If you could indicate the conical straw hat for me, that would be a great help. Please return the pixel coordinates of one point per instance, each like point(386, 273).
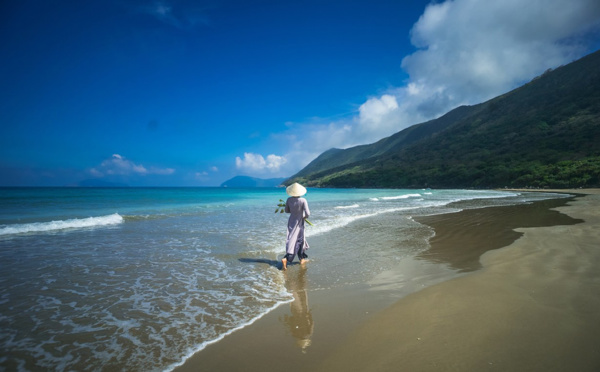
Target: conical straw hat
point(295, 189)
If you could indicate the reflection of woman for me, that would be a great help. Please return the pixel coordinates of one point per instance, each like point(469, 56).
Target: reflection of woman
point(298, 208)
point(300, 322)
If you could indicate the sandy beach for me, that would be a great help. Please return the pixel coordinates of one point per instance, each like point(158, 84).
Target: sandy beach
point(513, 288)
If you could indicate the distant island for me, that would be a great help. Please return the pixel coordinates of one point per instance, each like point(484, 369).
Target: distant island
point(245, 181)
point(545, 134)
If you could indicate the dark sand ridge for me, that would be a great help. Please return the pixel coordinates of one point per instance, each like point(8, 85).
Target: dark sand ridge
point(461, 238)
point(341, 315)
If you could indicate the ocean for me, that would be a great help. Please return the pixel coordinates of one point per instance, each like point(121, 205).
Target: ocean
point(142, 278)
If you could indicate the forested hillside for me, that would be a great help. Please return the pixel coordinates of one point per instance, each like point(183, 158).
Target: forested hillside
point(543, 134)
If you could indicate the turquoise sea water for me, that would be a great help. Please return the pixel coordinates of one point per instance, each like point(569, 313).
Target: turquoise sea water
point(141, 278)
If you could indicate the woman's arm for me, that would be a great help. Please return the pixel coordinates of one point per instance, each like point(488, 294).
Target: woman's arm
point(306, 210)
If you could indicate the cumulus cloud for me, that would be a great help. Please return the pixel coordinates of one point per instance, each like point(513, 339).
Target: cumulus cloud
point(376, 112)
point(472, 50)
point(119, 165)
point(257, 164)
point(467, 51)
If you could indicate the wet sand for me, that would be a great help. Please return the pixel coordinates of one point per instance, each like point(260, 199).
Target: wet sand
point(533, 305)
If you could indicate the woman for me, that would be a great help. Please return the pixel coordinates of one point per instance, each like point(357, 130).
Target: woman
point(298, 208)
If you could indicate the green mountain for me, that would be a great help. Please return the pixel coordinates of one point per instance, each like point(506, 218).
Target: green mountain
point(543, 134)
point(245, 181)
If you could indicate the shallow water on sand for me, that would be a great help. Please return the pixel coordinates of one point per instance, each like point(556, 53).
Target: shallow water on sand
point(140, 279)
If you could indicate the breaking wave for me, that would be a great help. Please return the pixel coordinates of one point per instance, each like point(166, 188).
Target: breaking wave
point(347, 206)
point(74, 223)
point(405, 196)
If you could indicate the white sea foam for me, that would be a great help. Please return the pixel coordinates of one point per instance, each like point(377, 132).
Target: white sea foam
point(347, 206)
point(373, 199)
point(111, 219)
point(338, 222)
point(405, 196)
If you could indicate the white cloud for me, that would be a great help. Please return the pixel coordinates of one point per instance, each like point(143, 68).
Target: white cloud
point(468, 51)
point(257, 164)
point(375, 111)
point(95, 173)
point(119, 165)
point(201, 175)
point(472, 50)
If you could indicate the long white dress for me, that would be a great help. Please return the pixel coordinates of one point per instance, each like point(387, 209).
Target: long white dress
point(296, 241)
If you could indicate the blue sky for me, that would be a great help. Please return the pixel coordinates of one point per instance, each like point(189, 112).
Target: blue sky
point(192, 93)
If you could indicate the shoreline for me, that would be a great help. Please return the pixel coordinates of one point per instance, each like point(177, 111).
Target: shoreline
point(533, 307)
point(477, 231)
point(337, 316)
